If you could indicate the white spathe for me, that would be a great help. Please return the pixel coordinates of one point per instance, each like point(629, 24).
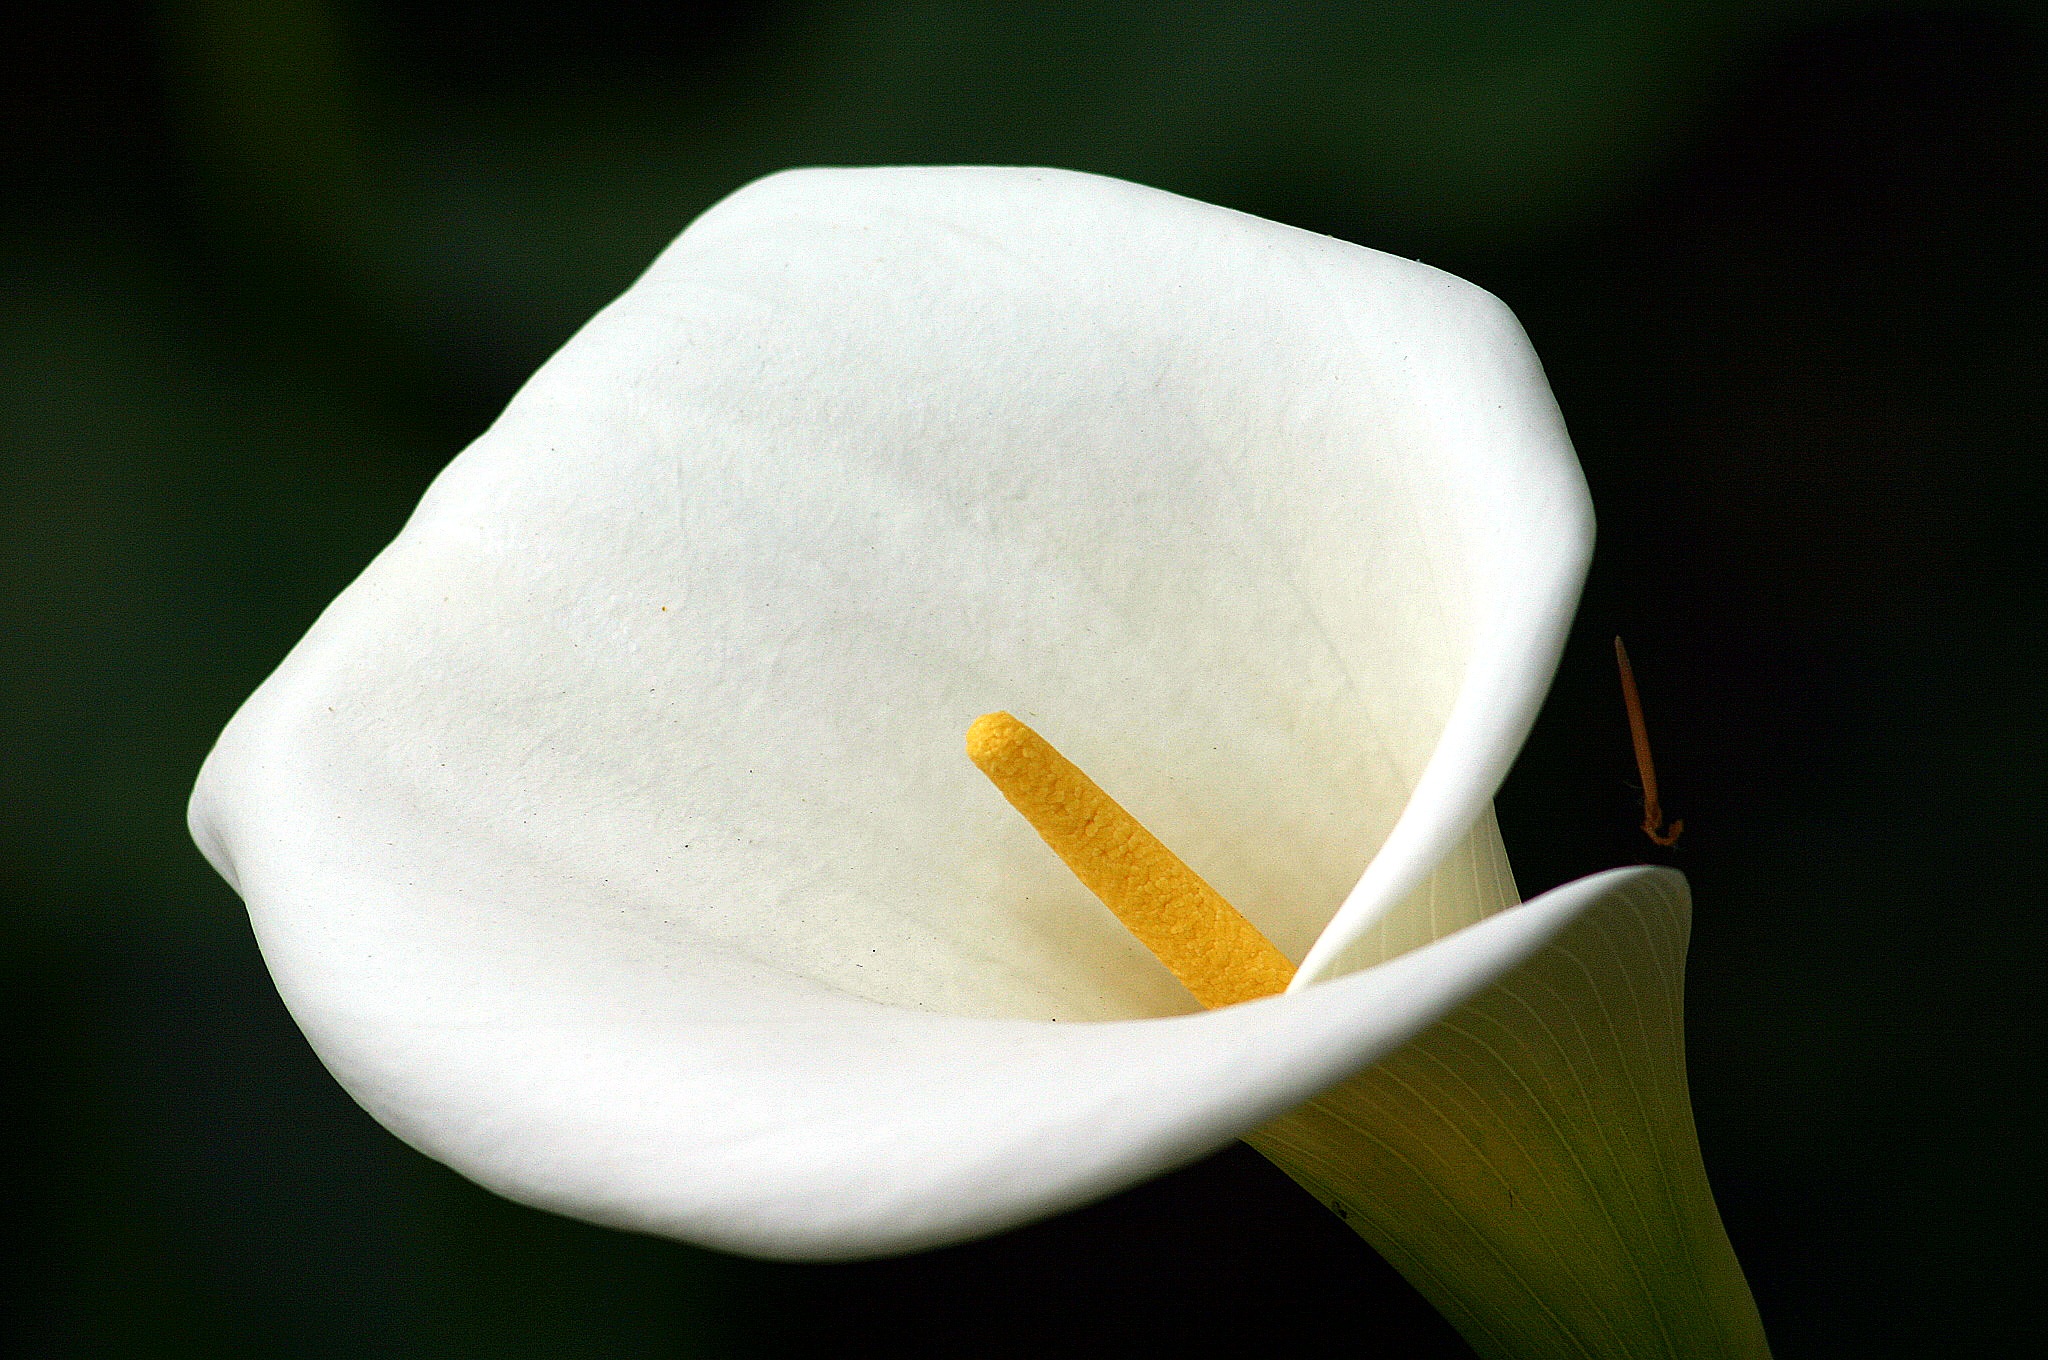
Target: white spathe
point(612, 838)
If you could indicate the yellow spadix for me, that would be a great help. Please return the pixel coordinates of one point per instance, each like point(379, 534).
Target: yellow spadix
point(1217, 954)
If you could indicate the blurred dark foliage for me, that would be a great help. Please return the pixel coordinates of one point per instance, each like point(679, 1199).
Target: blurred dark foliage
point(490, 49)
point(269, 265)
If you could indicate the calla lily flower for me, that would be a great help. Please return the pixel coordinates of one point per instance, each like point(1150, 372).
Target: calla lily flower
point(612, 841)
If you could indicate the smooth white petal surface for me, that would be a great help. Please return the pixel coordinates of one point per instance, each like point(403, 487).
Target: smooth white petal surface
point(612, 838)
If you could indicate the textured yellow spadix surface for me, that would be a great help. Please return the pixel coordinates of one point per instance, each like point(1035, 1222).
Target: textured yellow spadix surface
point(1217, 954)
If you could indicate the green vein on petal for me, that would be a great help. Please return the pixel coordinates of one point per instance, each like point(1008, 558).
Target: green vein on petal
point(1530, 1163)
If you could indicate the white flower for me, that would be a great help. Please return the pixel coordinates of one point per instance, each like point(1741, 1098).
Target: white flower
point(612, 840)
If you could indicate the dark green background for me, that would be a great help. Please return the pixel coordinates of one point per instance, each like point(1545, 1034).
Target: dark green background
point(269, 264)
